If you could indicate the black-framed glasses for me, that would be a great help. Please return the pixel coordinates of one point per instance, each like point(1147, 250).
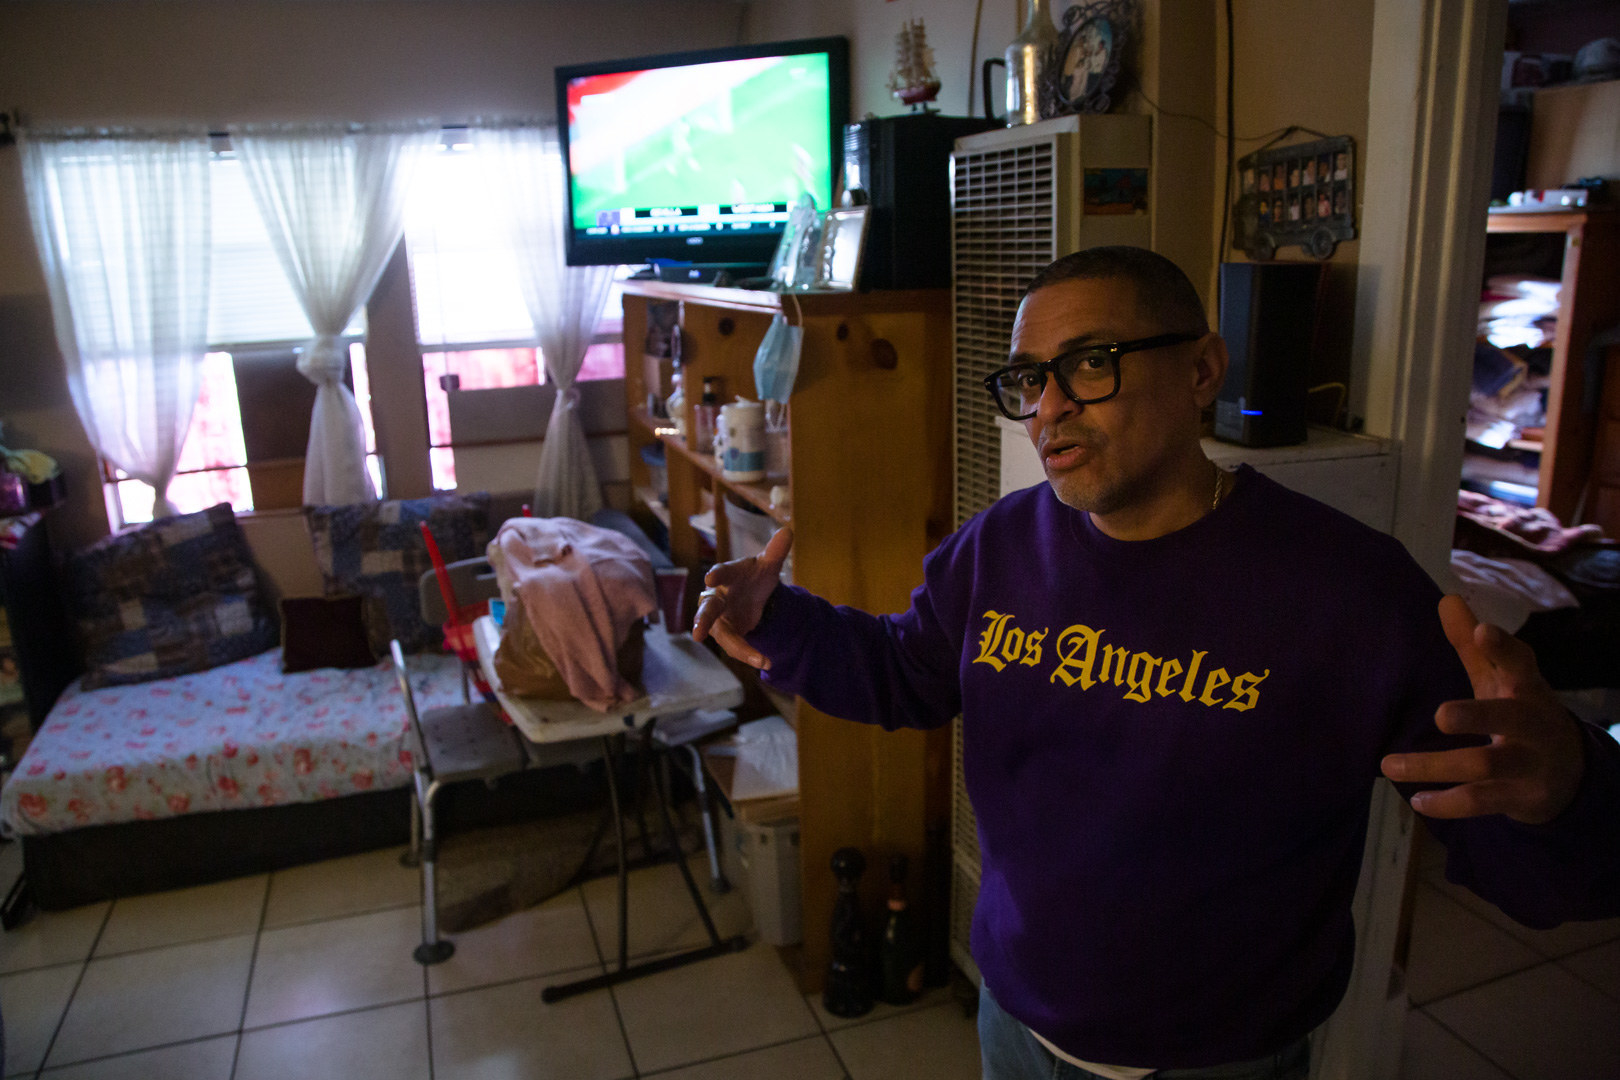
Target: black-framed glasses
point(1086, 375)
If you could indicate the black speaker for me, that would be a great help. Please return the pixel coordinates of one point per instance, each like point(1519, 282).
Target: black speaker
point(1268, 318)
point(899, 166)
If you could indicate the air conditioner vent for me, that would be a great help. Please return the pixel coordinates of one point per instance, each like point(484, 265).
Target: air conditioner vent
point(1015, 206)
point(1003, 230)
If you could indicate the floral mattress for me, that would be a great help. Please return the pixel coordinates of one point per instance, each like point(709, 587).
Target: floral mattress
point(239, 735)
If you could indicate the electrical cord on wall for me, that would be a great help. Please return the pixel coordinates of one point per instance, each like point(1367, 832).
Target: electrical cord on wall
point(1160, 110)
point(973, 59)
point(1231, 148)
point(1339, 405)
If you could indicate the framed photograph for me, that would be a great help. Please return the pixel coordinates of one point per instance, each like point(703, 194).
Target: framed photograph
point(843, 237)
point(1081, 68)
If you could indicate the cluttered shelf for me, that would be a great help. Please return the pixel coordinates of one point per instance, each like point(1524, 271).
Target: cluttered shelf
point(756, 495)
point(1552, 284)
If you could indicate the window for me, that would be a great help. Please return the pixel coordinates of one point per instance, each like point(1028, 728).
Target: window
point(255, 326)
point(472, 326)
point(212, 461)
point(471, 322)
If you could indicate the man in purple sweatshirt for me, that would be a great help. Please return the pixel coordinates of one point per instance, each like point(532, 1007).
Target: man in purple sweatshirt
point(1177, 686)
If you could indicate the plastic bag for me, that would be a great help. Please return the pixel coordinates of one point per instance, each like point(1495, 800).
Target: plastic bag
point(767, 760)
point(525, 669)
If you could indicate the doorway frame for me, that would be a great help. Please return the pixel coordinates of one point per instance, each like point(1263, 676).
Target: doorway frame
point(1431, 120)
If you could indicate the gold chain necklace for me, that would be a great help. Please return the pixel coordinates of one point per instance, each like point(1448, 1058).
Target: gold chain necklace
point(1220, 475)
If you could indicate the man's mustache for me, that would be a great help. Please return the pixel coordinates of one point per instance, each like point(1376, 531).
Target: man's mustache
point(1074, 435)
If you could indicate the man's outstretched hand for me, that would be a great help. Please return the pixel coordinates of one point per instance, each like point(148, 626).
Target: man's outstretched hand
point(1532, 766)
point(734, 599)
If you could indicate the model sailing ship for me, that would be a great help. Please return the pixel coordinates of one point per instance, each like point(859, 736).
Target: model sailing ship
point(913, 79)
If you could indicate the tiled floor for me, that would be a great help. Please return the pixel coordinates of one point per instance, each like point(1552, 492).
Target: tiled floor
point(308, 973)
point(1493, 1000)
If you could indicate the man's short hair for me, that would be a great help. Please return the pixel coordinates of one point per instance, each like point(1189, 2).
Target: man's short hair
point(1162, 290)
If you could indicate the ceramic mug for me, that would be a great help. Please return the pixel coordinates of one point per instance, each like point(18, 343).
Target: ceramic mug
point(741, 441)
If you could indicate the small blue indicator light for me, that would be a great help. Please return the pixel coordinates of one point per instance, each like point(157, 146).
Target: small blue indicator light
point(1252, 412)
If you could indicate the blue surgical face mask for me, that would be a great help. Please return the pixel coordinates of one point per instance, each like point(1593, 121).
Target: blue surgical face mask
point(776, 364)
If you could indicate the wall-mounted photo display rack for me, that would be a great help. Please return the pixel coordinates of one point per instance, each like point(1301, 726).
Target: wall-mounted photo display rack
point(1301, 193)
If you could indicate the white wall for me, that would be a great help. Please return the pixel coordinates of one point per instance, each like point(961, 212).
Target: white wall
point(871, 28)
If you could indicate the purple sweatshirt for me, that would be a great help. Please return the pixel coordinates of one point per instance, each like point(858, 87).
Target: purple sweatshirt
point(1170, 746)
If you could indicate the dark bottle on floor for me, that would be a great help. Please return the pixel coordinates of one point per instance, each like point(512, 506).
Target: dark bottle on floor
point(900, 955)
point(848, 991)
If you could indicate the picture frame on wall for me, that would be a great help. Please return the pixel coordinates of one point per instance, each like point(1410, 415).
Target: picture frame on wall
point(1085, 64)
point(1311, 200)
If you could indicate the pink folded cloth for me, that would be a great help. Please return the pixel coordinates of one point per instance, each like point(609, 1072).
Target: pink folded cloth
point(1534, 528)
point(582, 588)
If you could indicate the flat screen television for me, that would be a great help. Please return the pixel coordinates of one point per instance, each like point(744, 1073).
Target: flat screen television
point(698, 156)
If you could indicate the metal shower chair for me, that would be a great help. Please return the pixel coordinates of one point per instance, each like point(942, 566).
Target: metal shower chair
point(475, 741)
point(471, 741)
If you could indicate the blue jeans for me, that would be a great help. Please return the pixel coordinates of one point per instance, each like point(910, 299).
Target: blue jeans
point(1009, 1051)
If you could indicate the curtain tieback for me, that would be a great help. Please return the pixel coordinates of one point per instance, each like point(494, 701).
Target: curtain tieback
point(324, 359)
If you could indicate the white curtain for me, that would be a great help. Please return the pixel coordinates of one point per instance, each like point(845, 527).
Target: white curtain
point(332, 199)
point(121, 222)
point(525, 171)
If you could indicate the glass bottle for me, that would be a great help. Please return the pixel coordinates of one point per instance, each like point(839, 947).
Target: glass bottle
point(706, 415)
point(847, 989)
point(900, 951)
point(1026, 64)
point(676, 406)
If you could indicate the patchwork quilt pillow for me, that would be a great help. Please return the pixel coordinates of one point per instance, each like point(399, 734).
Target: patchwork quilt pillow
point(376, 550)
point(176, 596)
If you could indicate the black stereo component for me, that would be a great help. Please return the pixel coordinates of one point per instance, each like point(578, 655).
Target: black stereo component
point(899, 166)
point(1268, 318)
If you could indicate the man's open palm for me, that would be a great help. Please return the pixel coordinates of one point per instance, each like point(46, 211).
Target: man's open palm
point(734, 599)
point(1531, 767)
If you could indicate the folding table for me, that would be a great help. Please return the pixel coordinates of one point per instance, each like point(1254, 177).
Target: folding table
point(679, 675)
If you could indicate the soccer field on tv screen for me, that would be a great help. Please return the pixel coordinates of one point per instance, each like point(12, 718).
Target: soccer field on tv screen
point(737, 131)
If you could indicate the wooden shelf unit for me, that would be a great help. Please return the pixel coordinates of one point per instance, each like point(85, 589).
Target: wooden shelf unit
point(1589, 302)
point(871, 495)
point(758, 495)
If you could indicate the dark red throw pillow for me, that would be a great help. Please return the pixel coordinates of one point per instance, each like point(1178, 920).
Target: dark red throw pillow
point(324, 632)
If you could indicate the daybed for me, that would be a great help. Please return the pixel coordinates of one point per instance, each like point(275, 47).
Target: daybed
point(203, 748)
point(234, 767)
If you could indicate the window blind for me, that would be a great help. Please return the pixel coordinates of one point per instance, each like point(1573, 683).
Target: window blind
point(462, 268)
point(250, 299)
